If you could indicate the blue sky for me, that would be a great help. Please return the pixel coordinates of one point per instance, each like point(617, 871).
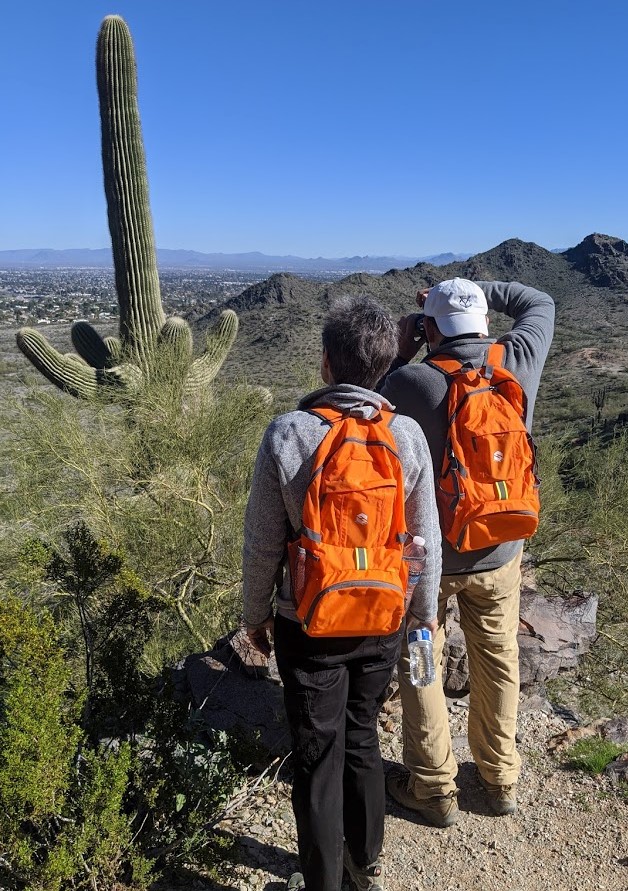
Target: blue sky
point(335, 127)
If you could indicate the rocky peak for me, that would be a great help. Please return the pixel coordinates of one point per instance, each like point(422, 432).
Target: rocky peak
point(603, 258)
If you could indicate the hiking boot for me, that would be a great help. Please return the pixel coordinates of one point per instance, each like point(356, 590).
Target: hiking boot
point(296, 882)
point(364, 878)
point(438, 810)
point(502, 800)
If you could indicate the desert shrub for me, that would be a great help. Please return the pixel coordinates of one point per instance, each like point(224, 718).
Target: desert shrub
point(164, 483)
point(62, 823)
point(105, 776)
point(582, 546)
point(120, 546)
point(592, 755)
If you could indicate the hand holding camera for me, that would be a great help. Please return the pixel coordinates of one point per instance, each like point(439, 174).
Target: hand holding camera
point(411, 335)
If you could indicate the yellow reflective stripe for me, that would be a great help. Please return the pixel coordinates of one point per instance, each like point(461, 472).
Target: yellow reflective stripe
point(361, 559)
point(502, 490)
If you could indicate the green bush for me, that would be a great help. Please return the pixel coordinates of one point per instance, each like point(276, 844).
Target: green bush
point(105, 777)
point(62, 822)
point(592, 755)
point(165, 484)
point(582, 546)
point(120, 552)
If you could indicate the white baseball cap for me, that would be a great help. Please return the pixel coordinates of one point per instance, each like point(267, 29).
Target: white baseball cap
point(458, 306)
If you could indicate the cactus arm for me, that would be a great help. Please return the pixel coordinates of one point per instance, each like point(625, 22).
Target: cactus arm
point(114, 347)
point(126, 190)
point(219, 341)
point(66, 372)
point(177, 336)
point(69, 372)
point(91, 346)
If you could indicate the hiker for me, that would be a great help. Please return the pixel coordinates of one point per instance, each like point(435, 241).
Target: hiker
point(487, 580)
point(335, 675)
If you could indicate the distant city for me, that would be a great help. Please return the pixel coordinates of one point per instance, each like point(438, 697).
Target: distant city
point(37, 288)
point(47, 296)
point(253, 261)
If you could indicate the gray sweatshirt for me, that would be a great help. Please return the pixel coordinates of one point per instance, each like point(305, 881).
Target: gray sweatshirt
point(421, 392)
point(282, 472)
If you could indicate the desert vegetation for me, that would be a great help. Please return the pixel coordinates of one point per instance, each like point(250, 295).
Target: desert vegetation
point(120, 554)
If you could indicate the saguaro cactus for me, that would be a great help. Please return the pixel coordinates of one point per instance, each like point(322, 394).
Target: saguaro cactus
point(126, 362)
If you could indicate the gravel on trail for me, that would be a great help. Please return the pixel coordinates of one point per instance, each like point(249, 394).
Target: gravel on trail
point(570, 832)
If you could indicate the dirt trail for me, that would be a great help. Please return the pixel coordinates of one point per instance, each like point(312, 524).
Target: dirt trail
point(570, 833)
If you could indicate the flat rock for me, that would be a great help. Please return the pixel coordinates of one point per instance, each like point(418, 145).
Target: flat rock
point(238, 690)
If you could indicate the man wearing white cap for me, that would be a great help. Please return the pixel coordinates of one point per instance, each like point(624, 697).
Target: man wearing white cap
point(487, 582)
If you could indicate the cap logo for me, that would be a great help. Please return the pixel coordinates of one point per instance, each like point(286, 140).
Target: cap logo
point(498, 456)
point(362, 519)
point(465, 301)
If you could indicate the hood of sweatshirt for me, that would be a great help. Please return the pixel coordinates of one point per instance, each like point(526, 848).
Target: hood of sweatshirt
point(347, 397)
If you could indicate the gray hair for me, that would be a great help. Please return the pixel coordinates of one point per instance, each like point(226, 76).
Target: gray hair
point(361, 340)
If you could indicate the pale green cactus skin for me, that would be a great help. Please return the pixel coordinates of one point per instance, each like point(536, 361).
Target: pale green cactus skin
point(129, 361)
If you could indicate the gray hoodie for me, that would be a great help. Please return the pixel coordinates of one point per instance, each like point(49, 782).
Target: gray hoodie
point(282, 472)
point(421, 391)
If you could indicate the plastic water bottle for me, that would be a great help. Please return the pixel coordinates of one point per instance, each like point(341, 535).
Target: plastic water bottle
point(422, 671)
point(414, 554)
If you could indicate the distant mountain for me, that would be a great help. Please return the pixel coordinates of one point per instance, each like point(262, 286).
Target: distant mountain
point(281, 317)
point(246, 262)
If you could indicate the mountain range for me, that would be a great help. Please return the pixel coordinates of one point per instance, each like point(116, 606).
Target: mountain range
point(47, 258)
point(281, 318)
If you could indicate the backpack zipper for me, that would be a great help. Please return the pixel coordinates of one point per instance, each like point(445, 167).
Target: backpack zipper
point(502, 513)
point(338, 586)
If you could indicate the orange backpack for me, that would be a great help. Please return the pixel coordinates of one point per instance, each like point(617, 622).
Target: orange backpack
point(347, 570)
point(487, 491)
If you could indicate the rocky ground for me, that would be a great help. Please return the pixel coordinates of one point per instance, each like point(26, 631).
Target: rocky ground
point(571, 830)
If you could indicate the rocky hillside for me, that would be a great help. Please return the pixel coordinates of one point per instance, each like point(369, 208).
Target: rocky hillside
point(280, 318)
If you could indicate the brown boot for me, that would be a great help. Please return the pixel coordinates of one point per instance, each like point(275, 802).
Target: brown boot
point(502, 800)
point(438, 810)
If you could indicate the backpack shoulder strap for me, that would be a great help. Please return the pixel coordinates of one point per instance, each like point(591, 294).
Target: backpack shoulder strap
point(495, 355)
point(448, 366)
point(326, 413)
point(445, 364)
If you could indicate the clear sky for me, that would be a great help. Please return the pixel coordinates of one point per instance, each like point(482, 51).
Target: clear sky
point(326, 127)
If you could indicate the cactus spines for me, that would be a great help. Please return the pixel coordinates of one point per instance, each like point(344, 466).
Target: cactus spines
point(134, 357)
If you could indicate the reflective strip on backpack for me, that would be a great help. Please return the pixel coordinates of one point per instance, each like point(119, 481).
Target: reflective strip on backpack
point(361, 559)
point(502, 490)
point(309, 533)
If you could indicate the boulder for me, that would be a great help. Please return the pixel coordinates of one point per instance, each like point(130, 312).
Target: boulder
point(554, 632)
point(617, 770)
point(237, 690)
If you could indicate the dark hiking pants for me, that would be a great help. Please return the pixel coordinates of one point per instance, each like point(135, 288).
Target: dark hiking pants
point(333, 688)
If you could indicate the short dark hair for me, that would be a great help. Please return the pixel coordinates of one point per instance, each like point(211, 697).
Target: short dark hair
point(361, 340)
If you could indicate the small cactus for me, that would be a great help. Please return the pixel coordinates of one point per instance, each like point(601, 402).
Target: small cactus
point(130, 360)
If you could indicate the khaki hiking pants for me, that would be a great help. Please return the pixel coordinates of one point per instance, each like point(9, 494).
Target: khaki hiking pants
point(489, 617)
